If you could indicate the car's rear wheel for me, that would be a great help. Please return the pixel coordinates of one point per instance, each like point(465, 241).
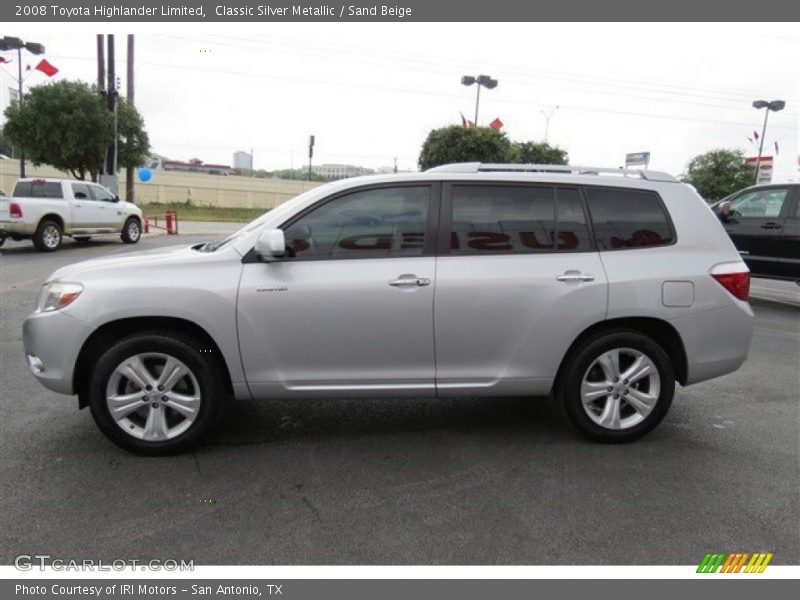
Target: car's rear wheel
point(48, 236)
point(617, 386)
point(156, 394)
point(131, 231)
point(2, 239)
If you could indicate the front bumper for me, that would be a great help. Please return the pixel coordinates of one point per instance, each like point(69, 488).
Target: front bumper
point(52, 341)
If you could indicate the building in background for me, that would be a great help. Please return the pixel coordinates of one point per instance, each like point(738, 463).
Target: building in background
point(336, 171)
point(243, 160)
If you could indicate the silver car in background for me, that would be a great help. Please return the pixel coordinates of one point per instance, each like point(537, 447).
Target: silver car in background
point(600, 285)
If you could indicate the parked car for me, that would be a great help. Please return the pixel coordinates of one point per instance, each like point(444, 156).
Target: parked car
point(45, 210)
point(764, 224)
point(465, 280)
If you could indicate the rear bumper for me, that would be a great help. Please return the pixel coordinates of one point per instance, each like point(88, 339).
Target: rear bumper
point(52, 341)
point(16, 228)
point(716, 341)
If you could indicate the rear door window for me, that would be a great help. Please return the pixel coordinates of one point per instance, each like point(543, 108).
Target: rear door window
point(624, 218)
point(509, 219)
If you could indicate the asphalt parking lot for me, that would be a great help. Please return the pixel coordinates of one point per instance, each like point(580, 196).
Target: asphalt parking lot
point(455, 481)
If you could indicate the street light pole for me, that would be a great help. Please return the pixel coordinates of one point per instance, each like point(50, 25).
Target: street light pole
point(547, 117)
point(13, 43)
point(482, 81)
point(775, 106)
point(477, 104)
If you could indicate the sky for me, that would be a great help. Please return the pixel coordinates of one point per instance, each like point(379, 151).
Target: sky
point(371, 92)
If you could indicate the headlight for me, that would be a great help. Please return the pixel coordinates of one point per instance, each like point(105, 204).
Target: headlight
point(57, 295)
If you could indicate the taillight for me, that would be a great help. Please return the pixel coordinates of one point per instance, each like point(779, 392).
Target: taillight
point(15, 210)
point(737, 283)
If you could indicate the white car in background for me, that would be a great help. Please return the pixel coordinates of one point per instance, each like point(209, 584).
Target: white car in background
point(45, 210)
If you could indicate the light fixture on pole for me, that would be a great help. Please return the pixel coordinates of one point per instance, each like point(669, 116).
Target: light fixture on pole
point(547, 116)
point(13, 43)
point(482, 81)
point(774, 106)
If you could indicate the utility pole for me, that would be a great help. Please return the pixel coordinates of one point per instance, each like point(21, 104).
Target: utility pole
point(21, 148)
point(129, 187)
point(395, 164)
point(101, 66)
point(111, 97)
point(310, 154)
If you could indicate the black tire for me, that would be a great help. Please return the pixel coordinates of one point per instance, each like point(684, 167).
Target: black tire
point(2, 239)
point(205, 368)
point(81, 238)
point(577, 367)
point(48, 236)
point(131, 231)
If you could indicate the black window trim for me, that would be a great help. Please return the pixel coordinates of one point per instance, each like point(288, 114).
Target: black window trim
point(429, 250)
point(670, 224)
point(446, 215)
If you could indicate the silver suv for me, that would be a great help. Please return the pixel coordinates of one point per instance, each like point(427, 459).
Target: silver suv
point(600, 285)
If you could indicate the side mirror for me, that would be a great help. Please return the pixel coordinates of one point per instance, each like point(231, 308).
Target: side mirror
point(271, 244)
point(115, 199)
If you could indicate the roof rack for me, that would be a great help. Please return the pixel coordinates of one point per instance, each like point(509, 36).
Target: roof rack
point(477, 167)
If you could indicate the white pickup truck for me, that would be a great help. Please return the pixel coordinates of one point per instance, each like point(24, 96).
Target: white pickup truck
point(45, 210)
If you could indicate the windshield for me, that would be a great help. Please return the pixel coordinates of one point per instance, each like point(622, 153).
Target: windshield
point(241, 232)
point(252, 225)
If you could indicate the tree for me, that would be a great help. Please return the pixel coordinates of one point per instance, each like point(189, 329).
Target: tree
point(719, 173)
point(6, 147)
point(540, 153)
point(67, 125)
point(461, 144)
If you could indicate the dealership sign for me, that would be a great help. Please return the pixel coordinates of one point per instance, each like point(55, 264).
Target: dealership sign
point(764, 168)
point(637, 158)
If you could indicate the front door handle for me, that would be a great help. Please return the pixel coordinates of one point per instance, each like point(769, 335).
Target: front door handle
point(575, 276)
point(410, 281)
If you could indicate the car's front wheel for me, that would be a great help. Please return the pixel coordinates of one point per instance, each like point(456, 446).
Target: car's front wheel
point(617, 386)
point(156, 394)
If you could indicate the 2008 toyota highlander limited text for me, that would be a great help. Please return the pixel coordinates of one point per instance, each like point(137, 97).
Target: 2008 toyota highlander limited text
point(465, 280)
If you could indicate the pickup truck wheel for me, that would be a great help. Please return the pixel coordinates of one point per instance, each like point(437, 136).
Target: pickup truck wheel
point(617, 386)
point(48, 236)
point(2, 239)
point(155, 394)
point(132, 231)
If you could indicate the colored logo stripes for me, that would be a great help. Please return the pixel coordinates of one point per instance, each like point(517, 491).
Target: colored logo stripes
point(735, 562)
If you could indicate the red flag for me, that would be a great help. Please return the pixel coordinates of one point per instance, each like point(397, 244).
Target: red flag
point(496, 124)
point(46, 68)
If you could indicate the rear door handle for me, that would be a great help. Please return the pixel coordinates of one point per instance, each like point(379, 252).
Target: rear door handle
point(575, 276)
point(410, 281)
point(771, 226)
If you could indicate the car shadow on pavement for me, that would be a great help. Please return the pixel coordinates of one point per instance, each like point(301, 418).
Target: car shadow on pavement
point(267, 421)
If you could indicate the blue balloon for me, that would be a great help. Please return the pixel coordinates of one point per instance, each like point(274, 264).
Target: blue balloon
point(145, 174)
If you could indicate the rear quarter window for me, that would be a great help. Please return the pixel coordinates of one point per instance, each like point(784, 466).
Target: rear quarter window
point(624, 218)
